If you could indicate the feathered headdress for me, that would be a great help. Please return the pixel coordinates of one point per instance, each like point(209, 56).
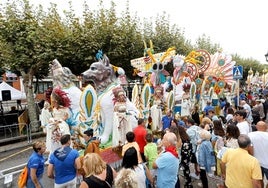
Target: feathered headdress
point(117, 91)
point(61, 97)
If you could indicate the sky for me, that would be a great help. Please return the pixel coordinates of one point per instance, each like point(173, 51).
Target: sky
point(239, 26)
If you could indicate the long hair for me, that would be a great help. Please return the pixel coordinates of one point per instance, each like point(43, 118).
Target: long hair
point(232, 131)
point(130, 158)
point(218, 129)
point(93, 164)
point(184, 136)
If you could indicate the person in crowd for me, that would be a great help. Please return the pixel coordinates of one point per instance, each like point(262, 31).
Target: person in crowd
point(130, 161)
point(230, 115)
point(150, 152)
point(91, 146)
point(140, 133)
point(259, 140)
point(212, 115)
point(195, 114)
point(193, 133)
point(173, 122)
point(239, 168)
point(205, 158)
point(36, 166)
point(175, 130)
point(121, 123)
point(225, 108)
point(166, 119)
point(207, 108)
point(167, 163)
point(126, 178)
point(232, 134)
point(206, 124)
point(46, 114)
point(97, 172)
point(186, 153)
point(63, 164)
point(218, 137)
point(130, 136)
point(248, 110)
point(258, 109)
point(13, 110)
point(92, 143)
point(242, 124)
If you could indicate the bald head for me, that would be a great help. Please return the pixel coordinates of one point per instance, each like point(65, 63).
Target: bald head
point(170, 139)
point(261, 126)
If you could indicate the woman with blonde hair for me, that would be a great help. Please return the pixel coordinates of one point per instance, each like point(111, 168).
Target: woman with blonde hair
point(126, 178)
point(97, 172)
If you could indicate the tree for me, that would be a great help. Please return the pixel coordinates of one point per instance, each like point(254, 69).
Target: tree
point(27, 51)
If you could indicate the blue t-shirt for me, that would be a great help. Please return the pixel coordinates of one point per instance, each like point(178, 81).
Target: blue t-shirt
point(64, 164)
point(208, 108)
point(36, 161)
point(166, 120)
point(167, 170)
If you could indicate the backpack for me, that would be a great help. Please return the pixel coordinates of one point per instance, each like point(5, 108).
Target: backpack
point(22, 180)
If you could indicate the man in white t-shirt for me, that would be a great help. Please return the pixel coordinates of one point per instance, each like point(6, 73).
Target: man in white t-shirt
point(259, 141)
point(242, 124)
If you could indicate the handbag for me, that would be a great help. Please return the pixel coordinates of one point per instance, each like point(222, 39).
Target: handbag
point(22, 180)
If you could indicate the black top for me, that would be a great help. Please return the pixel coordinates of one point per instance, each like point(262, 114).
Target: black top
point(94, 182)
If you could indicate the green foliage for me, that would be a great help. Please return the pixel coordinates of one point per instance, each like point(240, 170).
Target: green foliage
point(30, 38)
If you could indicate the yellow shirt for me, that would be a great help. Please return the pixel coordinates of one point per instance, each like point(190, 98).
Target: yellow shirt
point(136, 146)
point(241, 168)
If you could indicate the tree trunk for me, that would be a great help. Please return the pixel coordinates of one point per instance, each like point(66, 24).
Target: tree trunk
point(31, 106)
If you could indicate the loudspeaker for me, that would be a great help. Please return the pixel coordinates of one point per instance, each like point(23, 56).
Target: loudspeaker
point(6, 95)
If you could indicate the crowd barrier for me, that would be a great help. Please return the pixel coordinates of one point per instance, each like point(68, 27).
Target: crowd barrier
point(18, 131)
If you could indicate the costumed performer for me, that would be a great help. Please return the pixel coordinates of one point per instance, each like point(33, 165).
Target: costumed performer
point(157, 107)
point(121, 125)
point(60, 113)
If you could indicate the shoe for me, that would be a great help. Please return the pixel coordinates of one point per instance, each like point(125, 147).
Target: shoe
point(193, 175)
point(199, 184)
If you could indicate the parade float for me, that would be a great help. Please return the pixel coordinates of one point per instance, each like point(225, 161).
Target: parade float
point(102, 105)
point(197, 78)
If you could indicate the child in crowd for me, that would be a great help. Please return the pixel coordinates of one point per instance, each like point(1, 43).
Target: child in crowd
point(130, 136)
point(150, 152)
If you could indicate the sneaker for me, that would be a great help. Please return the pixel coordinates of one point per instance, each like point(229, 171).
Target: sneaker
point(199, 184)
point(193, 175)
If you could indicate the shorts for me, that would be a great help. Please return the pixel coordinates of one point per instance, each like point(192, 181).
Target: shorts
point(264, 171)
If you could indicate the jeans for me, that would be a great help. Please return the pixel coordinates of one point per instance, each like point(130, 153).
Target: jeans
point(30, 183)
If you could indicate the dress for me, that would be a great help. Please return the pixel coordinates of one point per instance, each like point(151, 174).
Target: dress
point(56, 130)
point(121, 125)
point(156, 114)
